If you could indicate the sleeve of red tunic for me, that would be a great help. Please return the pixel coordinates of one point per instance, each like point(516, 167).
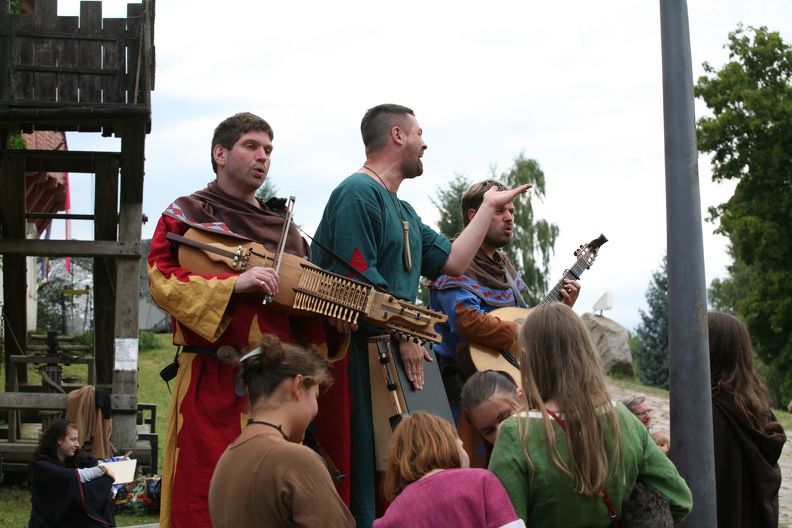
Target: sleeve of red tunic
point(202, 303)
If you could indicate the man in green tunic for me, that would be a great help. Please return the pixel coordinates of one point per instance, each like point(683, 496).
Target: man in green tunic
point(366, 224)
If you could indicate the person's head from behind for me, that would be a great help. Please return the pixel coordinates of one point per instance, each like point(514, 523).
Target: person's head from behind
point(488, 398)
point(662, 440)
point(421, 443)
point(731, 352)
point(732, 370)
point(562, 372)
point(60, 441)
point(278, 374)
point(231, 130)
point(640, 407)
point(557, 358)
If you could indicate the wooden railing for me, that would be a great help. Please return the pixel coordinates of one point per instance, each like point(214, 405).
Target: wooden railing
point(85, 59)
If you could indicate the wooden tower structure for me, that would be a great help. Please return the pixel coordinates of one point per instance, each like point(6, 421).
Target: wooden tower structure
point(80, 73)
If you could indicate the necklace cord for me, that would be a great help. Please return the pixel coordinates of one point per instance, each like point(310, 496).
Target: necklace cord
point(407, 257)
point(279, 428)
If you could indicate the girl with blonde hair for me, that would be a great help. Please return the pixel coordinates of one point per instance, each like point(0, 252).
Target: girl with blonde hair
point(266, 477)
point(572, 456)
point(428, 479)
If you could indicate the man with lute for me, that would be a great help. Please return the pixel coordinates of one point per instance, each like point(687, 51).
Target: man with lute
point(489, 283)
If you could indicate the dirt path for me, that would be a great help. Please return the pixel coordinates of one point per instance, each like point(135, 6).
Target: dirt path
point(661, 419)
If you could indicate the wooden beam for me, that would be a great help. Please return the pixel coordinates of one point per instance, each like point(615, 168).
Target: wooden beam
point(61, 160)
point(55, 401)
point(106, 192)
point(71, 248)
point(104, 291)
point(21, 451)
point(12, 195)
point(130, 218)
point(71, 114)
point(12, 219)
point(133, 148)
point(15, 294)
point(127, 310)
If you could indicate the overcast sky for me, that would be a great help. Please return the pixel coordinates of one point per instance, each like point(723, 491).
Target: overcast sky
point(575, 85)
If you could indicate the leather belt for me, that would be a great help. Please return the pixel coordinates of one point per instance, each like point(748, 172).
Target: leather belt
point(226, 353)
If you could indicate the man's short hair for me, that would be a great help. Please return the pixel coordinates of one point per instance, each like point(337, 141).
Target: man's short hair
point(232, 128)
point(633, 399)
point(474, 196)
point(378, 123)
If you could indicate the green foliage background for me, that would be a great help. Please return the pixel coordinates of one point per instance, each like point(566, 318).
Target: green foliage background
point(650, 343)
point(749, 137)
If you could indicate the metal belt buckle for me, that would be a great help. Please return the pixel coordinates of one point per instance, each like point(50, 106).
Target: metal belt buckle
point(227, 354)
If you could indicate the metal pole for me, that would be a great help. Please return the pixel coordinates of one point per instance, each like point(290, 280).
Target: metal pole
point(691, 399)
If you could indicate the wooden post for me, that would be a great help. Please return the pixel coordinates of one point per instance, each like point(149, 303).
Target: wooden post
point(133, 136)
point(12, 217)
point(104, 291)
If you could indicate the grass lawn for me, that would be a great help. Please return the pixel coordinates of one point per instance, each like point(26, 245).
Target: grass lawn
point(15, 497)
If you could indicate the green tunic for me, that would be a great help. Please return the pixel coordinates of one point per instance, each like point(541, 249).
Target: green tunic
point(362, 223)
point(549, 498)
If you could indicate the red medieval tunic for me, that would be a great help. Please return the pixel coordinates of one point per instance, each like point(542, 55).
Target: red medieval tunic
point(206, 415)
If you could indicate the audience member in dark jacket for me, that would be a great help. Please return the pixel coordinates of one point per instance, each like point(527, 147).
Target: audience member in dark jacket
point(748, 438)
point(68, 488)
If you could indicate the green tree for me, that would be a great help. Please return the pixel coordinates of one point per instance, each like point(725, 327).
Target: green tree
point(651, 336)
point(449, 205)
point(65, 312)
point(15, 142)
point(267, 191)
point(749, 137)
point(50, 307)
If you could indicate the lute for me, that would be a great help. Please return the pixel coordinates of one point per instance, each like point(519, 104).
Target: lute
point(484, 357)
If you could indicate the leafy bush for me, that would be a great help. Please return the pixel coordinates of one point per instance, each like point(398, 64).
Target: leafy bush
point(85, 339)
point(147, 340)
point(774, 381)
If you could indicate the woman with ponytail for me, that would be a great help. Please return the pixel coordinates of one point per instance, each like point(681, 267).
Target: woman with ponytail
point(266, 477)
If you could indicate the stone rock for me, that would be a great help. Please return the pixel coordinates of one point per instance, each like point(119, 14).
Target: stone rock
point(612, 342)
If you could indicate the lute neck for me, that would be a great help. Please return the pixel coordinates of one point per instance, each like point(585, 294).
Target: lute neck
point(573, 273)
